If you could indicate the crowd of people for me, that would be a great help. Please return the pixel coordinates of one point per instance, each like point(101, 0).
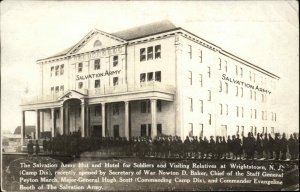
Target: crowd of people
point(263, 146)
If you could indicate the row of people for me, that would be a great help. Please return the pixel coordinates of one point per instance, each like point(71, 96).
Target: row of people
point(236, 147)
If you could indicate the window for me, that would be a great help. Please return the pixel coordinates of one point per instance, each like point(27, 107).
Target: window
point(190, 101)
point(115, 81)
point(262, 115)
point(190, 129)
point(262, 97)
point(190, 77)
point(225, 66)
point(52, 71)
point(157, 50)
point(251, 94)
point(241, 71)
point(115, 60)
point(116, 109)
point(143, 130)
point(254, 95)
point(226, 109)
point(250, 76)
point(226, 87)
point(208, 72)
point(142, 54)
point(158, 76)
point(266, 113)
point(159, 129)
point(80, 85)
point(236, 70)
point(200, 80)
point(97, 110)
point(237, 111)
point(220, 64)
point(149, 53)
point(251, 113)
point(56, 89)
point(142, 77)
point(57, 70)
point(201, 106)
point(200, 56)
point(275, 116)
point(220, 86)
point(62, 69)
point(97, 43)
point(97, 64)
point(97, 83)
point(52, 90)
point(116, 131)
point(209, 119)
point(62, 88)
point(237, 91)
point(254, 77)
point(242, 92)
point(243, 112)
point(79, 67)
point(209, 95)
point(221, 109)
point(158, 105)
point(150, 76)
point(255, 112)
point(201, 129)
point(143, 107)
point(190, 51)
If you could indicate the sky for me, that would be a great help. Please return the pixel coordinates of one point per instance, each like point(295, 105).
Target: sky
point(265, 33)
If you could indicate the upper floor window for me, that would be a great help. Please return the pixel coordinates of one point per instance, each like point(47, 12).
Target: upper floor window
point(52, 71)
point(250, 76)
point(97, 43)
point(56, 89)
point(225, 66)
point(149, 53)
point(61, 69)
point(200, 56)
point(241, 71)
point(208, 71)
point(97, 83)
point(236, 70)
point(115, 60)
point(150, 76)
point(116, 109)
point(201, 106)
point(190, 101)
point(209, 119)
point(97, 64)
point(57, 70)
point(226, 87)
point(157, 52)
point(115, 81)
point(142, 77)
point(190, 77)
point(52, 90)
point(158, 105)
point(220, 64)
point(200, 80)
point(220, 86)
point(190, 51)
point(209, 95)
point(62, 88)
point(80, 85)
point(79, 67)
point(142, 54)
point(158, 76)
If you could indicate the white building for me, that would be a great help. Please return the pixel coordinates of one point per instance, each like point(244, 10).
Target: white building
point(150, 80)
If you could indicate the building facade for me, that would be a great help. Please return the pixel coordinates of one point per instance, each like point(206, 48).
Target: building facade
point(151, 80)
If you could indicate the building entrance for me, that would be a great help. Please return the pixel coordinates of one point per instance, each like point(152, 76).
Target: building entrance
point(97, 131)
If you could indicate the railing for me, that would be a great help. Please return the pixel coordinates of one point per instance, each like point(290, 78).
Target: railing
point(147, 86)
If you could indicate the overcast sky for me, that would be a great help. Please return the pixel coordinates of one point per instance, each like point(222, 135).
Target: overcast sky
point(263, 33)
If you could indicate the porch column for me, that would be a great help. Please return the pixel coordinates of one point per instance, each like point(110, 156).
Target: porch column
point(52, 123)
point(103, 119)
point(82, 118)
point(23, 128)
point(67, 126)
point(127, 119)
point(37, 126)
point(61, 127)
point(153, 118)
point(88, 121)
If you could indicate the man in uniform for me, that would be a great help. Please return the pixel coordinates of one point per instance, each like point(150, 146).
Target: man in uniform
point(283, 146)
point(259, 146)
point(271, 146)
point(277, 146)
point(291, 146)
point(265, 143)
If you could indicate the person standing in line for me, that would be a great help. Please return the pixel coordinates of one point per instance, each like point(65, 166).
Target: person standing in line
point(291, 147)
point(271, 146)
point(37, 148)
point(283, 146)
point(30, 148)
point(277, 146)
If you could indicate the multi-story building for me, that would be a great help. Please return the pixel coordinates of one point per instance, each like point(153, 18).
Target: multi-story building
point(151, 80)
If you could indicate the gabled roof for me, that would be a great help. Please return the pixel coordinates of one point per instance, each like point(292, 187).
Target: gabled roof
point(145, 30)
